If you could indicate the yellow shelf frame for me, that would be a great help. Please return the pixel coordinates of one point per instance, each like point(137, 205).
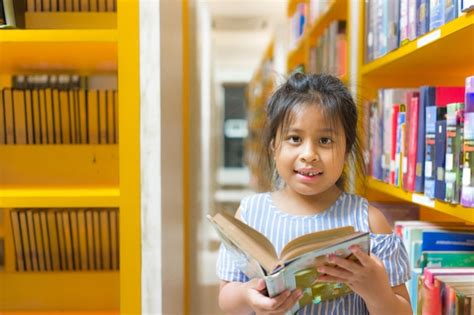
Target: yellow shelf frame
point(78, 197)
point(58, 36)
point(59, 291)
point(466, 214)
point(30, 51)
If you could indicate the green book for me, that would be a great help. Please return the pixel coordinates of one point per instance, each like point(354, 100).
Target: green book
point(447, 259)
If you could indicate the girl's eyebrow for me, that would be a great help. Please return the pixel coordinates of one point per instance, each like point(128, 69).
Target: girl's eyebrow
point(328, 129)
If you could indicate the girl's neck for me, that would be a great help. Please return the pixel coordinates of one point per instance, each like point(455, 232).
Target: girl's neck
point(296, 204)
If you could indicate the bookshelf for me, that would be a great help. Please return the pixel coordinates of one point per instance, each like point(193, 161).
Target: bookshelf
point(63, 175)
point(440, 57)
point(260, 87)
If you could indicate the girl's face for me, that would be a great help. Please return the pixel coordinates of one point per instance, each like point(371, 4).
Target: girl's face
point(310, 153)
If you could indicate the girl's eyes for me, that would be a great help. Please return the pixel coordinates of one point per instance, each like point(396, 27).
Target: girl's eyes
point(294, 139)
point(297, 140)
point(325, 141)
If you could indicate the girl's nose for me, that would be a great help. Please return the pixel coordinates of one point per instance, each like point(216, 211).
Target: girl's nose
point(309, 153)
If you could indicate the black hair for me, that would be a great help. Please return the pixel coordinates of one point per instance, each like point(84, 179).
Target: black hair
point(337, 104)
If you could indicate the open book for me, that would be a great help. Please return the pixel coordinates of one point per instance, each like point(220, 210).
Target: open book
point(296, 266)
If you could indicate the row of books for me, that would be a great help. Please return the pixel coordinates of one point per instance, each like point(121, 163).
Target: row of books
point(55, 81)
point(71, 5)
point(422, 140)
point(54, 116)
point(434, 245)
point(446, 291)
point(65, 239)
point(390, 24)
point(329, 55)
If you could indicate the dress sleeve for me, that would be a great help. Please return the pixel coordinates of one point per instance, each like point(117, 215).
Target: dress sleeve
point(390, 250)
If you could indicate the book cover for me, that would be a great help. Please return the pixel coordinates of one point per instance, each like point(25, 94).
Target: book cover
point(411, 145)
point(427, 98)
point(17, 242)
point(430, 147)
point(440, 160)
point(19, 114)
point(423, 18)
point(438, 259)
point(467, 189)
point(436, 13)
point(46, 240)
point(54, 240)
point(450, 10)
point(454, 133)
point(448, 241)
point(296, 267)
point(400, 162)
point(40, 250)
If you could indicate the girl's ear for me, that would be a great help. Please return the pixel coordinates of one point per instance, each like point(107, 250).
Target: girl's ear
point(272, 148)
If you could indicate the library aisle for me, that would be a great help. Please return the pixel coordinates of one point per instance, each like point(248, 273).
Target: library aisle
point(123, 124)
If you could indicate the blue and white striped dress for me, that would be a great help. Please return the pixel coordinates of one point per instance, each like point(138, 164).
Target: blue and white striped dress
point(279, 227)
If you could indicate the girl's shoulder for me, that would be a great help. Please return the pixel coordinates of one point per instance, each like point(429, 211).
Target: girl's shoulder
point(253, 204)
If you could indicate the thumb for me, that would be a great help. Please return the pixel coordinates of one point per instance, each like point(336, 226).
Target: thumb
point(260, 285)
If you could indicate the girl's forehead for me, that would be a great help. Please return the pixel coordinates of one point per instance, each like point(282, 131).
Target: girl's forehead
point(311, 113)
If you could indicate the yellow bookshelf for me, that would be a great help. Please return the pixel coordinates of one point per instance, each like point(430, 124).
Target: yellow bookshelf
point(63, 176)
point(465, 214)
point(337, 10)
point(440, 57)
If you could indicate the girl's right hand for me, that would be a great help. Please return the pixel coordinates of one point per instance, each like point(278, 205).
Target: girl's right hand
point(262, 304)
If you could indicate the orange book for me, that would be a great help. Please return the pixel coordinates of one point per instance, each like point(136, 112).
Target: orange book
point(46, 240)
point(16, 231)
point(105, 239)
point(7, 96)
point(39, 240)
point(29, 118)
point(93, 116)
point(64, 111)
point(90, 239)
point(19, 113)
point(82, 231)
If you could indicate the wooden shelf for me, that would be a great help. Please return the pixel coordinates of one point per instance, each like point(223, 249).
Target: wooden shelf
point(78, 197)
point(466, 214)
point(444, 50)
point(25, 166)
point(72, 291)
point(88, 51)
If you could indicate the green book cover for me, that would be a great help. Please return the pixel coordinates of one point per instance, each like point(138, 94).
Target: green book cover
point(447, 259)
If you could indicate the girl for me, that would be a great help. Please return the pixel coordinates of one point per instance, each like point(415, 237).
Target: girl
point(310, 134)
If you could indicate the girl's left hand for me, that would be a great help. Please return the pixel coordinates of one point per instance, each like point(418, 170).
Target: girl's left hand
point(367, 277)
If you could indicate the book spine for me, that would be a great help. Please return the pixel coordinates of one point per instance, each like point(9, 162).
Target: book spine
point(430, 151)
point(440, 157)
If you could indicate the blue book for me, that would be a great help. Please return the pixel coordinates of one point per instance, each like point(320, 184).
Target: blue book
point(440, 160)
point(450, 10)
point(422, 17)
point(430, 147)
point(448, 241)
point(427, 98)
point(436, 13)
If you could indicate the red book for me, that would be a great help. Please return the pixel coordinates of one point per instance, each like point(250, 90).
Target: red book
point(449, 94)
point(411, 141)
point(393, 151)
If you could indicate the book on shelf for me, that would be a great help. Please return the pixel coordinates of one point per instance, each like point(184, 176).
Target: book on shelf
point(454, 134)
point(440, 159)
point(296, 265)
point(12, 13)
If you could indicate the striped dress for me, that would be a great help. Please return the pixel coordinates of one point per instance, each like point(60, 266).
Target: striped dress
point(279, 227)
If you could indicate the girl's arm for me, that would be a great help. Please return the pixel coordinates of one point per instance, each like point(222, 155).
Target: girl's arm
point(379, 225)
point(368, 277)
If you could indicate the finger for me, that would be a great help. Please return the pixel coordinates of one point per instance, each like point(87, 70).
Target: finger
point(272, 304)
point(335, 272)
point(326, 278)
point(344, 263)
point(295, 296)
point(363, 257)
